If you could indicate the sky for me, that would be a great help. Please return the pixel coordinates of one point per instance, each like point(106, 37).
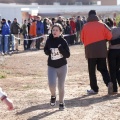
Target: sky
point(118, 2)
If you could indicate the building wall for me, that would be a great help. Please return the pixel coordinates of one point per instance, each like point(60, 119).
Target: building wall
point(50, 2)
point(9, 13)
point(108, 2)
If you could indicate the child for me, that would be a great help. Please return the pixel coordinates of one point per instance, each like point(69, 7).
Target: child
point(6, 100)
point(57, 49)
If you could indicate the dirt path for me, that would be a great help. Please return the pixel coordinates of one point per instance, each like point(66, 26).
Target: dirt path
point(26, 84)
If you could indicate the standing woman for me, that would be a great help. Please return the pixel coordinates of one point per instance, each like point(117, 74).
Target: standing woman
point(57, 49)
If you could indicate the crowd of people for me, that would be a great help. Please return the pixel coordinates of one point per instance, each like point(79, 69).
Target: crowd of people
point(35, 31)
point(93, 33)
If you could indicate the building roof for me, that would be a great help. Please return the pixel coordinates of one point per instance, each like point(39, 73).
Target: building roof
point(50, 2)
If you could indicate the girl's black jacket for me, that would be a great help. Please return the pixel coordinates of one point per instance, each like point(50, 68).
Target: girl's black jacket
point(61, 44)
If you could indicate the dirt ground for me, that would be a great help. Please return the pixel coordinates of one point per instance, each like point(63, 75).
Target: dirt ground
point(26, 84)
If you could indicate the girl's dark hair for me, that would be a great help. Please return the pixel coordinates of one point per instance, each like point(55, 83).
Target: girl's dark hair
point(110, 21)
point(59, 26)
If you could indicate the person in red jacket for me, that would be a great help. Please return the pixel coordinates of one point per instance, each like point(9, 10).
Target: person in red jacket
point(94, 35)
point(73, 31)
point(33, 33)
point(73, 25)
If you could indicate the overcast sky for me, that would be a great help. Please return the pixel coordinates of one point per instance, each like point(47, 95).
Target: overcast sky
point(118, 2)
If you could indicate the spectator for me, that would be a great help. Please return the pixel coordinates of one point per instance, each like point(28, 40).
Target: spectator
point(25, 34)
point(33, 34)
point(94, 35)
point(28, 29)
point(79, 25)
point(40, 31)
point(5, 35)
point(15, 30)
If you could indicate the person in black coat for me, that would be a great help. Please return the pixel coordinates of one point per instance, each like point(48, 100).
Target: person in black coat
point(57, 50)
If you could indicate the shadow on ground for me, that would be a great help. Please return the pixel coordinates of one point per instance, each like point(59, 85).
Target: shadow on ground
point(82, 101)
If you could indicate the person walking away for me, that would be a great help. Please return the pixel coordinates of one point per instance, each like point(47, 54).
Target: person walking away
point(114, 56)
point(94, 35)
point(57, 50)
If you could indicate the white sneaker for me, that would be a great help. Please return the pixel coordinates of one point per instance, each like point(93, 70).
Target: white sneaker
point(91, 92)
point(2, 53)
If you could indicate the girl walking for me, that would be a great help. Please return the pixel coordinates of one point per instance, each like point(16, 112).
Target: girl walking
point(57, 49)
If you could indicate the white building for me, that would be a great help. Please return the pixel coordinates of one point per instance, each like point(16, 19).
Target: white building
point(21, 12)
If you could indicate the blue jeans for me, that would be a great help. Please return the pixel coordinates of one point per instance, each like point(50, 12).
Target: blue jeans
point(1, 43)
point(13, 41)
point(6, 38)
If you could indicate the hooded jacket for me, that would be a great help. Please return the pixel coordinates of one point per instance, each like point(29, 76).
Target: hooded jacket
point(5, 29)
point(15, 27)
point(40, 27)
point(57, 49)
point(115, 38)
point(94, 35)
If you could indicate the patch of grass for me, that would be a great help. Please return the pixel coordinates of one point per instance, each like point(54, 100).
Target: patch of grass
point(2, 76)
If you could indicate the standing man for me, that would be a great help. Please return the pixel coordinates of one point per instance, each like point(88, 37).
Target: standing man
point(5, 35)
point(25, 34)
point(40, 32)
point(94, 35)
point(15, 29)
point(79, 25)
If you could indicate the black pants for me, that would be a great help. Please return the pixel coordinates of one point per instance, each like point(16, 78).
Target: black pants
point(72, 39)
point(100, 63)
point(114, 67)
point(29, 42)
point(38, 41)
point(67, 38)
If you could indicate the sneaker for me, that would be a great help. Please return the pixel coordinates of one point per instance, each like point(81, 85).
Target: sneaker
point(110, 88)
point(5, 53)
point(2, 53)
point(91, 92)
point(61, 106)
point(114, 93)
point(53, 101)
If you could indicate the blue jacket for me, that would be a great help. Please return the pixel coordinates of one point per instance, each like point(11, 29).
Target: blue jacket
point(5, 29)
point(40, 27)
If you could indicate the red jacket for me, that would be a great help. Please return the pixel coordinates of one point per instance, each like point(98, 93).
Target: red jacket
point(73, 25)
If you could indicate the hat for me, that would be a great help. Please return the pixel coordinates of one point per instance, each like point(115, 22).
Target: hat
point(3, 19)
point(92, 12)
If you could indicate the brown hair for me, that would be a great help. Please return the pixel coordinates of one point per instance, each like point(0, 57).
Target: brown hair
point(59, 26)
